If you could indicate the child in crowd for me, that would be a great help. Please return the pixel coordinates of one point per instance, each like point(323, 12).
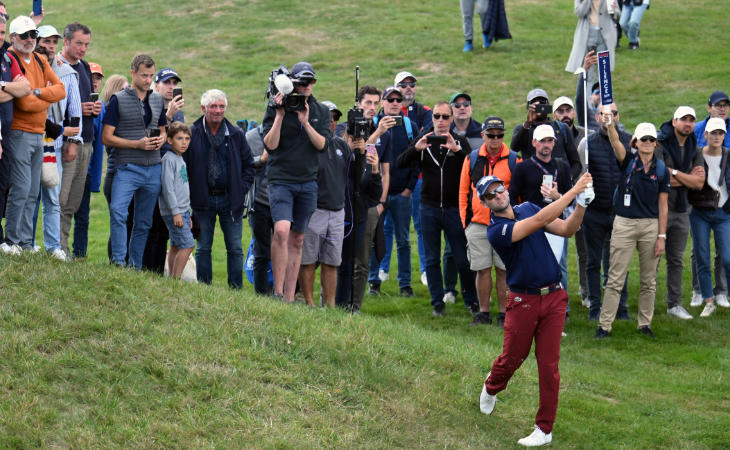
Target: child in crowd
point(175, 199)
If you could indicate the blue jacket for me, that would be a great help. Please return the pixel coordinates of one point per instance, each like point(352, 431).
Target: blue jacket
point(397, 139)
point(240, 165)
point(700, 133)
point(96, 163)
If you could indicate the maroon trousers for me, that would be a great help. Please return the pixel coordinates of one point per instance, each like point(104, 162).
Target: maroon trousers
point(540, 317)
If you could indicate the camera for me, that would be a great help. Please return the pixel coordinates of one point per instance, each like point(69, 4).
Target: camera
point(282, 81)
point(358, 127)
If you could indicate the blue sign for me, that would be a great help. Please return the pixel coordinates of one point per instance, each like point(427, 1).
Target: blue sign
point(604, 77)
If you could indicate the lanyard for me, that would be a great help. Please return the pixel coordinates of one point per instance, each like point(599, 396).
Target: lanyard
point(544, 171)
point(631, 172)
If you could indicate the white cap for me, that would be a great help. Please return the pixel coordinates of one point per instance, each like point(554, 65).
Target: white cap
point(645, 129)
point(684, 111)
point(715, 123)
point(542, 132)
point(21, 24)
point(45, 31)
point(560, 101)
point(402, 76)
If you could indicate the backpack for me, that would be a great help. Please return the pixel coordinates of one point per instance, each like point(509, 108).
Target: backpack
point(476, 175)
point(22, 68)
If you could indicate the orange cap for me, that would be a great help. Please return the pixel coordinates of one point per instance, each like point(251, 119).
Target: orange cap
point(96, 68)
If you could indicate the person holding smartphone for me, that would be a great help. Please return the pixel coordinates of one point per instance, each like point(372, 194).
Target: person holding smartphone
point(137, 159)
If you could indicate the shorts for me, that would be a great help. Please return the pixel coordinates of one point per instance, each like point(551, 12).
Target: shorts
point(479, 250)
point(293, 202)
point(180, 237)
point(323, 238)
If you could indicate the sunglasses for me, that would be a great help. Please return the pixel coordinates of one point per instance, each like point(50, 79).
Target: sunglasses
point(494, 136)
point(404, 84)
point(394, 99)
point(615, 113)
point(648, 139)
point(33, 34)
point(489, 195)
point(5, 16)
point(442, 116)
point(461, 104)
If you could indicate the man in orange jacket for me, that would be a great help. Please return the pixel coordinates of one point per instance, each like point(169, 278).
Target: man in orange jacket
point(493, 158)
point(25, 141)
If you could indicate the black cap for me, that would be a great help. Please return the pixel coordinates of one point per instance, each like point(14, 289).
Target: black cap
point(302, 70)
point(493, 122)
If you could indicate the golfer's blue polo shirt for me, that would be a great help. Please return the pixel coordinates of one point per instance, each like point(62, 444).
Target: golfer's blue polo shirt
point(644, 188)
point(530, 262)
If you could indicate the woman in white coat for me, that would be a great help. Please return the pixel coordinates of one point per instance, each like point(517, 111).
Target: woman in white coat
point(595, 28)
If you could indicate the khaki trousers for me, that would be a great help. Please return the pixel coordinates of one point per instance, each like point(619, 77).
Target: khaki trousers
point(627, 235)
point(73, 182)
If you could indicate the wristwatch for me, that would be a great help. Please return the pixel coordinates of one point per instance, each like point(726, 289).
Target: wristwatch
point(2, 85)
point(663, 236)
point(674, 172)
point(37, 92)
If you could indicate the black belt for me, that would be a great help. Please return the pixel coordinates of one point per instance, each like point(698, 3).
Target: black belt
point(217, 192)
point(545, 290)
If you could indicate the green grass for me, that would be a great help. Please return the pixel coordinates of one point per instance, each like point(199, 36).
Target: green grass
point(95, 357)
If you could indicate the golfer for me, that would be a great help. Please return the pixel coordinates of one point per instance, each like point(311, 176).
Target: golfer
point(536, 300)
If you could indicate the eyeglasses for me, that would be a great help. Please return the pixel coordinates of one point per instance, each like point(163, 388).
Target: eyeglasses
point(393, 99)
point(722, 105)
point(717, 132)
point(404, 84)
point(442, 116)
point(489, 195)
point(648, 139)
point(461, 104)
point(494, 136)
point(33, 34)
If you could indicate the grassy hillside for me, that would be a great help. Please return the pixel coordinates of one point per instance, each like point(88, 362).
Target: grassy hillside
point(96, 357)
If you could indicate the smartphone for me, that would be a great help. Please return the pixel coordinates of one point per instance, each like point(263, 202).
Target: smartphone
point(398, 120)
point(543, 109)
point(155, 132)
point(74, 122)
point(436, 141)
point(593, 49)
point(176, 92)
point(37, 7)
point(94, 97)
point(370, 149)
point(547, 180)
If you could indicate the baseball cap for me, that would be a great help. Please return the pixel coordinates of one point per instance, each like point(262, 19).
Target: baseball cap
point(715, 123)
point(717, 97)
point(389, 90)
point(303, 70)
point(543, 131)
point(560, 101)
point(493, 122)
point(332, 107)
point(684, 111)
point(402, 76)
point(166, 74)
point(645, 129)
point(485, 182)
point(21, 24)
point(96, 68)
point(536, 93)
point(459, 94)
point(45, 31)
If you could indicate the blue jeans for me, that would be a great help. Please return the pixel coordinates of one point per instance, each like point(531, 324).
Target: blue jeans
point(398, 210)
point(143, 184)
point(25, 151)
point(451, 271)
point(81, 222)
point(434, 220)
point(701, 222)
point(416, 213)
point(51, 213)
point(630, 20)
point(232, 227)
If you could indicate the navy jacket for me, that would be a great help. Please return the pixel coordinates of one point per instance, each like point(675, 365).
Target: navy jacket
point(397, 139)
point(240, 165)
point(604, 168)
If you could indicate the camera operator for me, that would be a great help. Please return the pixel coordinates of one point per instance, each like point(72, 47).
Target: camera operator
point(293, 140)
point(538, 113)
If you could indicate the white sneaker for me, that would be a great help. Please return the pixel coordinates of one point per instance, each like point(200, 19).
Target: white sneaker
point(383, 275)
point(10, 249)
point(721, 300)
point(424, 280)
point(449, 297)
point(696, 299)
point(586, 303)
point(679, 312)
point(536, 439)
point(59, 254)
point(709, 309)
point(34, 249)
point(486, 401)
